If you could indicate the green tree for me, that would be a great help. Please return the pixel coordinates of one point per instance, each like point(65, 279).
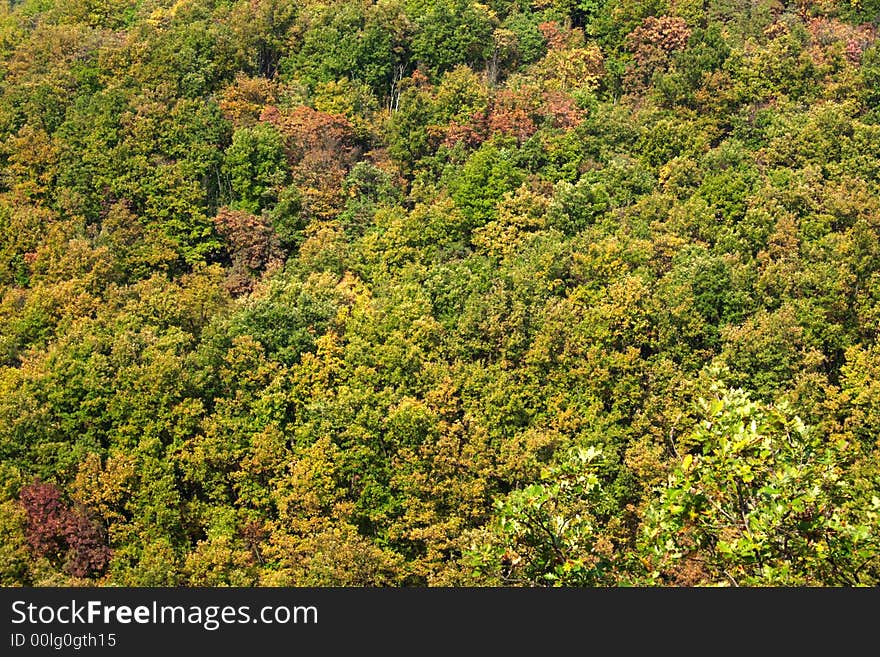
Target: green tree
point(256, 168)
point(450, 32)
point(550, 533)
point(757, 498)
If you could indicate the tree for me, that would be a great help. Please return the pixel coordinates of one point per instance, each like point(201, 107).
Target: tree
point(66, 536)
point(321, 148)
point(255, 166)
point(758, 498)
point(483, 180)
point(651, 43)
point(451, 32)
point(551, 533)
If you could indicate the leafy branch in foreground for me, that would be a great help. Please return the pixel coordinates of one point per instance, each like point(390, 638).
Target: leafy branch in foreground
point(761, 499)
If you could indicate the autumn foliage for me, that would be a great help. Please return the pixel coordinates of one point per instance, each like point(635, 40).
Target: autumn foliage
point(439, 293)
point(61, 533)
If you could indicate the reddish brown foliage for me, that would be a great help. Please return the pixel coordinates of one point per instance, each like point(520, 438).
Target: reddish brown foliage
point(253, 246)
point(556, 36)
point(666, 33)
point(321, 149)
point(419, 79)
point(511, 114)
point(89, 553)
point(827, 33)
point(253, 242)
point(313, 134)
point(54, 530)
point(518, 113)
point(46, 518)
point(472, 134)
point(561, 110)
point(651, 43)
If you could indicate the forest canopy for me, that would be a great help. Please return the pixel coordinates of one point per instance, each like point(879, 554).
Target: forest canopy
point(439, 293)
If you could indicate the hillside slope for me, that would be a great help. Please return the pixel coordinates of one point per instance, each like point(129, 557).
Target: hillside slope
point(435, 292)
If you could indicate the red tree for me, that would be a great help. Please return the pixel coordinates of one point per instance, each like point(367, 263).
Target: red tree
point(61, 534)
